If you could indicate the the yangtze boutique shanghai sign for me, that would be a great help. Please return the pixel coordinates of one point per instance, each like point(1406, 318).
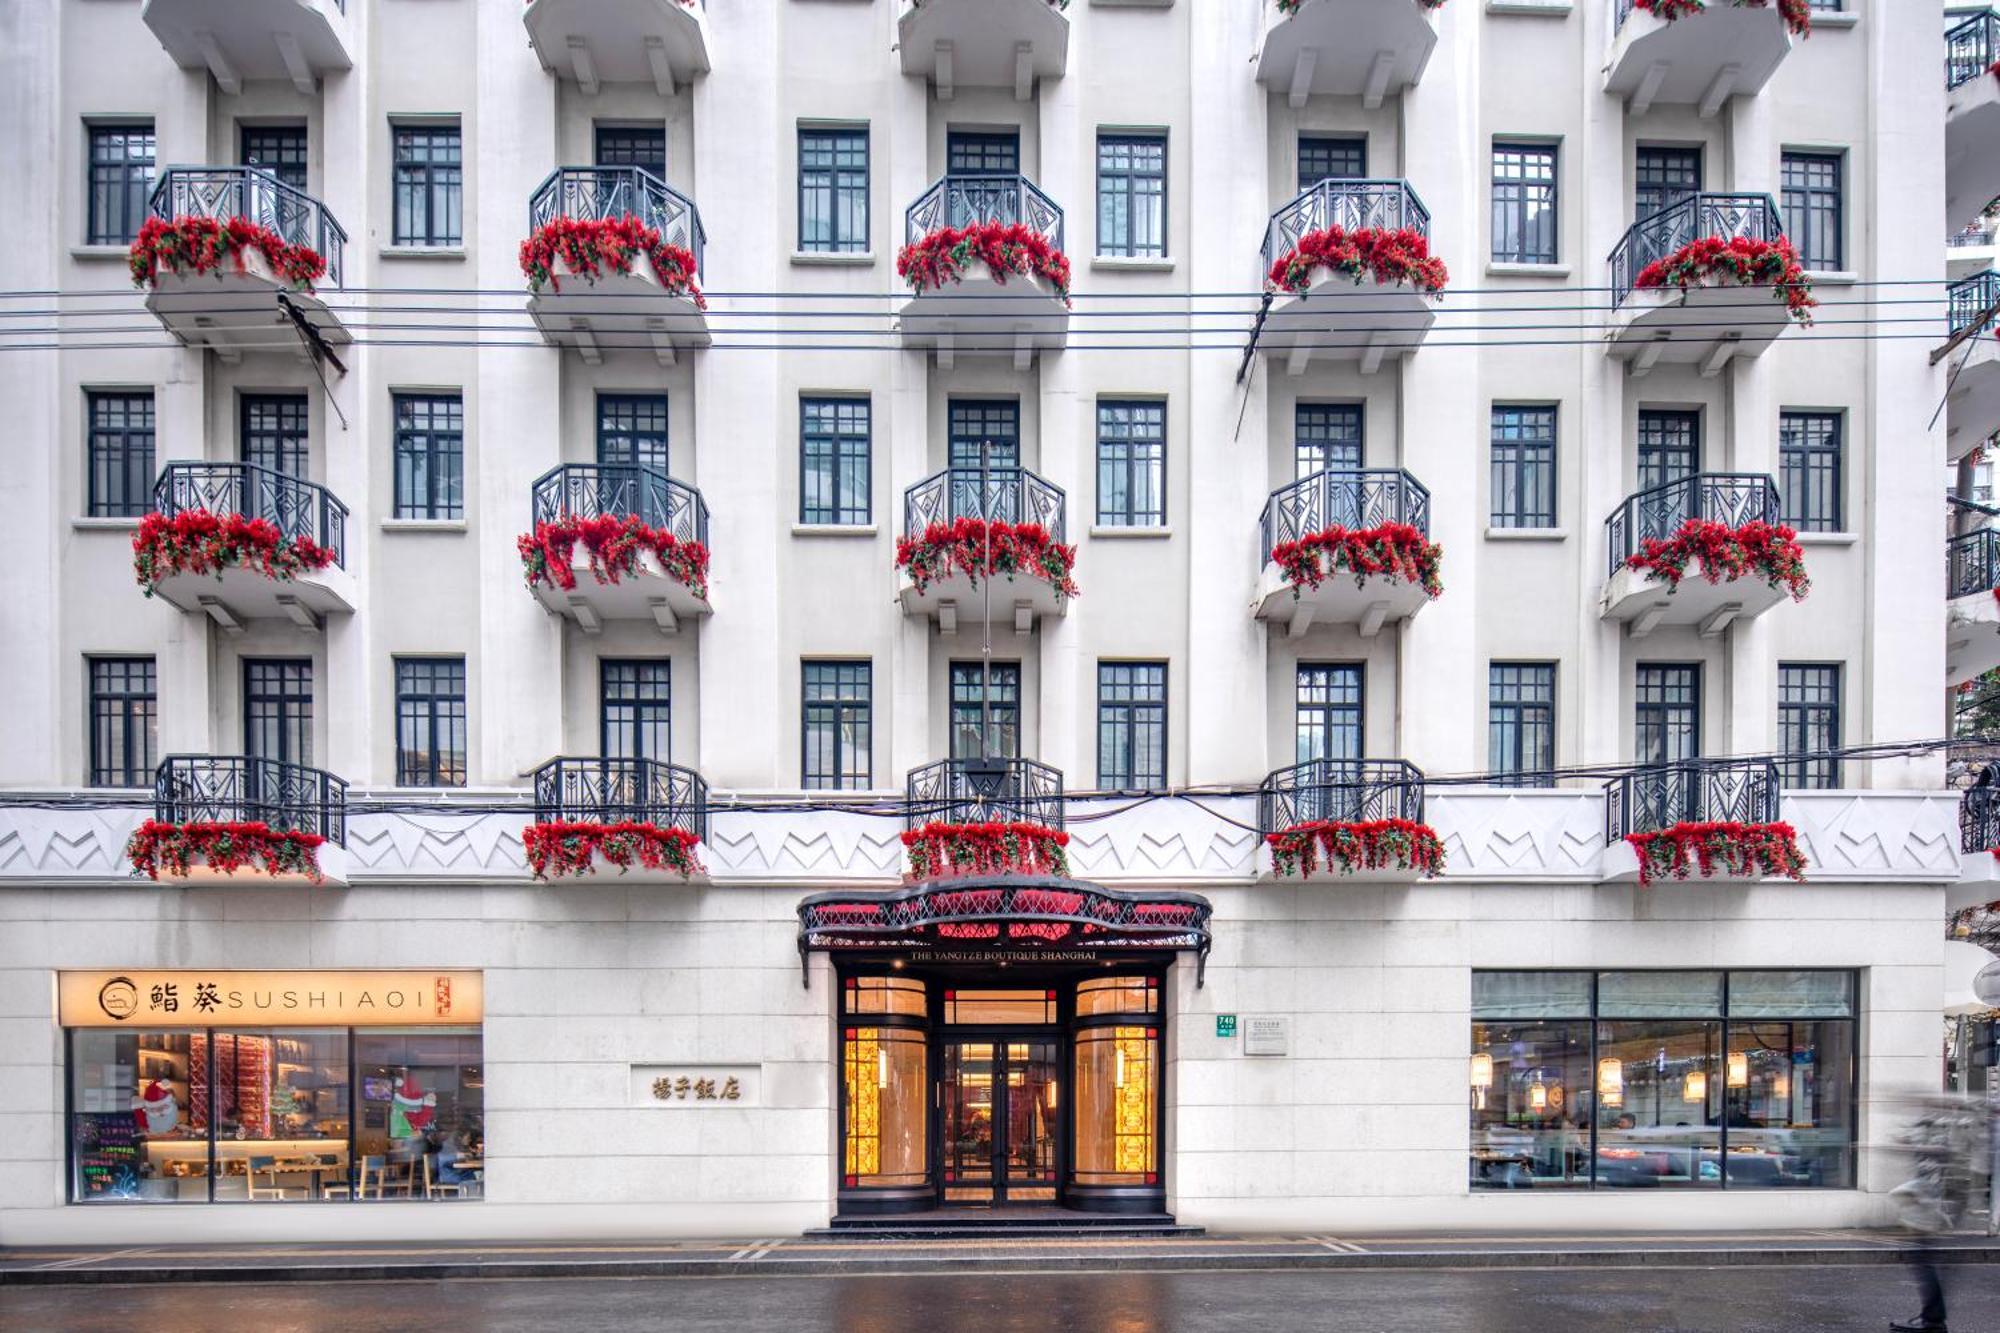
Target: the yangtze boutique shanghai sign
point(141, 999)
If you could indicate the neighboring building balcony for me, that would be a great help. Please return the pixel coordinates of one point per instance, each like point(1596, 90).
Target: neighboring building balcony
point(221, 816)
point(1347, 548)
point(1979, 849)
point(237, 40)
point(238, 542)
point(270, 250)
point(1348, 273)
point(640, 818)
point(1369, 49)
point(613, 261)
point(617, 542)
point(1972, 593)
point(984, 43)
point(1009, 294)
point(1670, 304)
point(1972, 409)
point(1971, 117)
point(1972, 248)
point(1698, 59)
point(982, 544)
point(594, 42)
point(1706, 551)
point(1346, 819)
point(1708, 819)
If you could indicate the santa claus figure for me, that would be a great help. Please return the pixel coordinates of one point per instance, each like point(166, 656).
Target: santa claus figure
point(411, 1109)
point(156, 1109)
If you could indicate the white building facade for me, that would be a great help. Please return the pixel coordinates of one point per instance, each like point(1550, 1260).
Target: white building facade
point(808, 1026)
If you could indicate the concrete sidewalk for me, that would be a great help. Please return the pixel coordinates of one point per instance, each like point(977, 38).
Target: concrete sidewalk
point(795, 1256)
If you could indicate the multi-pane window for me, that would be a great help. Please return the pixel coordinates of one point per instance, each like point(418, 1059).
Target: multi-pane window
point(1662, 175)
point(1132, 464)
point(1326, 437)
point(993, 422)
point(1132, 196)
point(274, 433)
point(124, 721)
point(1523, 467)
point(982, 153)
point(1132, 725)
point(1813, 210)
point(1328, 724)
point(1524, 203)
point(642, 146)
point(632, 430)
point(1000, 691)
point(1809, 724)
point(121, 179)
point(430, 455)
point(119, 453)
point(1809, 466)
point(1667, 712)
point(428, 180)
point(278, 709)
point(1521, 723)
point(833, 460)
point(637, 709)
point(837, 727)
point(1669, 447)
point(430, 722)
point(278, 149)
point(833, 190)
point(1330, 157)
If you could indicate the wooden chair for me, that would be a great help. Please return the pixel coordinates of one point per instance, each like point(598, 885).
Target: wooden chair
point(437, 1189)
point(264, 1166)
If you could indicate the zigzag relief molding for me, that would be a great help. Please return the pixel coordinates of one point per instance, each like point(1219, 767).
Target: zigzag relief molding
point(59, 844)
point(1876, 835)
point(809, 845)
point(446, 845)
point(1501, 833)
point(1173, 840)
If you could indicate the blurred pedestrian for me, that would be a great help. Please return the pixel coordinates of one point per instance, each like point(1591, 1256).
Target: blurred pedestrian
point(1947, 1140)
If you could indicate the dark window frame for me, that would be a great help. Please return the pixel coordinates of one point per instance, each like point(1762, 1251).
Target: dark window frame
point(283, 150)
point(840, 179)
point(119, 452)
point(120, 158)
point(1139, 459)
point(972, 421)
point(439, 445)
point(433, 694)
point(634, 430)
point(1521, 723)
point(616, 145)
point(982, 152)
point(846, 703)
point(1323, 432)
point(1340, 710)
point(1129, 181)
point(274, 430)
point(1662, 173)
point(1812, 469)
point(1807, 724)
point(1667, 446)
point(999, 684)
point(635, 707)
point(1331, 157)
point(1660, 715)
point(1813, 201)
point(427, 163)
point(124, 715)
point(1122, 715)
point(1523, 450)
point(1526, 202)
point(278, 709)
point(838, 432)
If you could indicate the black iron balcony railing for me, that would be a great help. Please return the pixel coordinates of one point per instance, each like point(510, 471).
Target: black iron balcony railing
point(1972, 236)
point(621, 791)
point(961, 200)
point(1698, 791)
point(1348, 204)
point(1364, 499)
point(1691, 217)
point(1002, 494)
point(1657, 512)
point(1970, 298)
point(621, 490)
point(1970, 48)
point(591, 194)
point(299, 508)
point(259, 196)
point(200, 788)
point(983, 791)
point(1979, 820)
point(1343, 790)
point(1972, 563)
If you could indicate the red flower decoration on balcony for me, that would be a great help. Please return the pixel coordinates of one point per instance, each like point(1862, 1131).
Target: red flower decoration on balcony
point(1741, 851)
point(943, 851)
point(1387, 256)
point(558, 849)
point(1796, 13)
point(200, 245)
point(1392, 550)
point(195, 541)
point(961, 546)
point(1004, 247)
point(1711, 261)
point(592, 247)
point(615, 542)
point(1351, 845)
point(1765, 549)
point(174, 849)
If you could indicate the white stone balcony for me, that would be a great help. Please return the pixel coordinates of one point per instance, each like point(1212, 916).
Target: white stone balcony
point(235, 40)
point(579, 500)
point(1972, 592)
point(1971, 118)
point(1972, 409)
point(1355, 502)
point(652, 307)
point(984, 43)
point(1335, 316)
point(578, 793)
point(1369, 49)
point(1370, 795)
point(1008, 498)
point(1644, 599)
point(1705, 325)
point(594, 42)
point(308, 520)
point(1701, 60)
point(977, 312)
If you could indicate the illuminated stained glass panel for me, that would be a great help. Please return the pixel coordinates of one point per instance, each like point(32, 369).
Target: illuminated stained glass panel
point(1117, 1106)
point(887, 1085)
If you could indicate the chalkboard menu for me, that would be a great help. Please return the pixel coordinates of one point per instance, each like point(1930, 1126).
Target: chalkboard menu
point(107, 1153)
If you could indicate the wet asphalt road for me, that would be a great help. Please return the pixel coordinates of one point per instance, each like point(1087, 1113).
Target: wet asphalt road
point(1722, 1300)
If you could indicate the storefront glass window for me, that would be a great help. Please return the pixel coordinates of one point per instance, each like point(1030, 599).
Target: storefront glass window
point(131, 1132)
point(888, 1103)
point(1663, 1130)
point(1117, 1107)
point(1118, 995)
point(999, 1006)
point(1530, 1104)
point(885, 995)
point(280, 1111)
point(423, 1112)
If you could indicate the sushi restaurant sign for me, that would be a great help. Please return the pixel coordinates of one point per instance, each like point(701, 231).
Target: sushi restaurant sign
point(144, 999)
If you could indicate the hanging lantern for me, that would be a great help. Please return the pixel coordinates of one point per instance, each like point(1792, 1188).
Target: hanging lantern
point(1781, 1085)
point(1538, 1096)
point(1739, 1069)
point(1695, 1089)
point(1482, 1070)
point(1611, 1078)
